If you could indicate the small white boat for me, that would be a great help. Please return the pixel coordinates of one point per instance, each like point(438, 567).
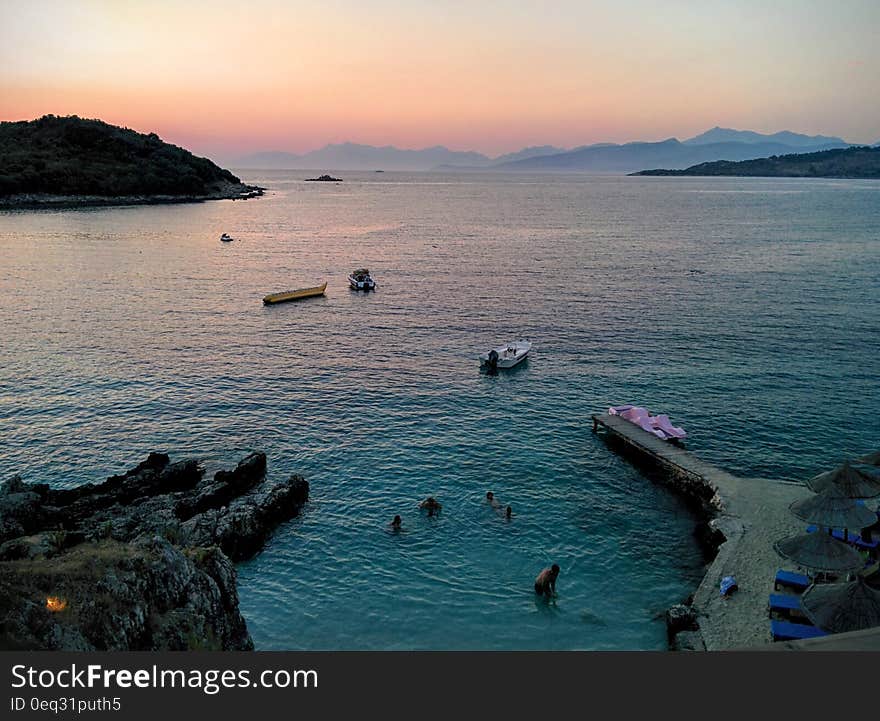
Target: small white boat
point(361, 279)
point(226, 238)
point(506, 356)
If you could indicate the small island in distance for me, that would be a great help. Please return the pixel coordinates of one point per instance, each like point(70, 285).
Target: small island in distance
point(70, 161)
point(855, 162)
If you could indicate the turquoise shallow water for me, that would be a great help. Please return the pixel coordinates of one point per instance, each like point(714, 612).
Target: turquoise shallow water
point(745, 308)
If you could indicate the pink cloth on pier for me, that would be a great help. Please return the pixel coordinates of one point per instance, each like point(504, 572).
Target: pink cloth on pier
point(658, 425)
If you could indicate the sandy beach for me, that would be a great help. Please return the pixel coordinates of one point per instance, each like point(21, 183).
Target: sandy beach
point(754, 515)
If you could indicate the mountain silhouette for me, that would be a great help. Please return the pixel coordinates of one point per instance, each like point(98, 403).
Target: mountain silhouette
point(714, 144)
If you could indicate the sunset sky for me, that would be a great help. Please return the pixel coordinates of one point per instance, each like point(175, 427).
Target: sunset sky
point(227, 78)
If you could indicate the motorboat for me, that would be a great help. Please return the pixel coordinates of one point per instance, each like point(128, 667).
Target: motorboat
point(658, 425)
point(287, 295)
point(506, 356)
point(361, 279)
point(226, 238)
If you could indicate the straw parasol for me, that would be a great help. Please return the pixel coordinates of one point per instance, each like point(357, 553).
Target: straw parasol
point(832, 509)
point(841, 607)
point(851, 482)
point(819, 552)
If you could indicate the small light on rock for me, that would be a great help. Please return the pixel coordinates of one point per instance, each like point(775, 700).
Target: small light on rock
point(55, 603)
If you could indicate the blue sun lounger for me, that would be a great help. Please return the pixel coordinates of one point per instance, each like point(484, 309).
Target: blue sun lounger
point(851, 537)
point(787, 631)
point(790, 579)
point(783, 603)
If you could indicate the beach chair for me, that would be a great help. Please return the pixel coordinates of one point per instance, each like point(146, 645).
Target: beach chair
point(790, 579)
point(787, 631)
point(850, 537)
point(784, 604)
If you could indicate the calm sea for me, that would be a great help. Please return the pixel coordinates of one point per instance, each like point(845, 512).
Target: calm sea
point(747, 309)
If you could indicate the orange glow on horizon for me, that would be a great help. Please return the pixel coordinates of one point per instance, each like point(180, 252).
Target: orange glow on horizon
point(221, 78)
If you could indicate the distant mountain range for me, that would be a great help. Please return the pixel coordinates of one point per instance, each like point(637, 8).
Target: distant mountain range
point(715, 144)
point(786, 137)
point(665, 154)
point(352, 156)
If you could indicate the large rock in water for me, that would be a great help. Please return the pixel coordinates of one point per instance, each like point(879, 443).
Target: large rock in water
point(141, 561)
point(242, 527)
point(227, 485)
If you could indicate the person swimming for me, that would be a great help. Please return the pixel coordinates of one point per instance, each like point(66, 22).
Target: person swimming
point(490, 498)
point(396, 523)
point(431, 505)
point(545, 582)
point(508, 513)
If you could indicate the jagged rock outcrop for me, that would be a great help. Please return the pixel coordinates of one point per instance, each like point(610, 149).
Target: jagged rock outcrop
point(141, 561)
point(680, 617)
point(241, 528)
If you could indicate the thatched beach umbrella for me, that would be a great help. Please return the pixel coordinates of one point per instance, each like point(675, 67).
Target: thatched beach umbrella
point(819, 552)
point(849, 481)
point(841, 607)
point(832, 509)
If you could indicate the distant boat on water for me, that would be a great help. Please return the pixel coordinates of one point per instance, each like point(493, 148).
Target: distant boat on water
point(506, 356)
point(226, 238)
point(289, 295)
point(361, 279)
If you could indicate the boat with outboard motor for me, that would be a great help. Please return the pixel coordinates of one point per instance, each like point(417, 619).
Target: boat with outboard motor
point(506, 356)
point(361, 279)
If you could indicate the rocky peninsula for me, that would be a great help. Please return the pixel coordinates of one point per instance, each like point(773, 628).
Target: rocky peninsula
point(142, 561)
point(855, 162)
point(57, 162)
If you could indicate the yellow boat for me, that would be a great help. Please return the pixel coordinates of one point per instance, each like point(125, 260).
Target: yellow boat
point(294, 294)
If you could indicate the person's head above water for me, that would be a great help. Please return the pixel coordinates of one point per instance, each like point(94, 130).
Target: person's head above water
point(508, 512)
point(489, 495)
point(554, 569)
point(396, 521)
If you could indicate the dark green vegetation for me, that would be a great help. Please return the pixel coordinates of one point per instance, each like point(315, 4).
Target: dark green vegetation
point(72, 156)
point(857, 162)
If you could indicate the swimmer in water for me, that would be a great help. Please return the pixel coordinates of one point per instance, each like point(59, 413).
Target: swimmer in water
point(395, 524)
point(431, 505)
point(545, 582)
point(490, 498)
point(508, 513)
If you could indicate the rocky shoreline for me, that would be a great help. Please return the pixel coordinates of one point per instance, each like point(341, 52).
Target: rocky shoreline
point(35, 201)
point(142, 561)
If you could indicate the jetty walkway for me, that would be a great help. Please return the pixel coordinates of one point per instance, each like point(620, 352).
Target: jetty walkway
point(750, 513)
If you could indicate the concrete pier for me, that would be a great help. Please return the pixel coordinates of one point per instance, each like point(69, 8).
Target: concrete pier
point(748, 513)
